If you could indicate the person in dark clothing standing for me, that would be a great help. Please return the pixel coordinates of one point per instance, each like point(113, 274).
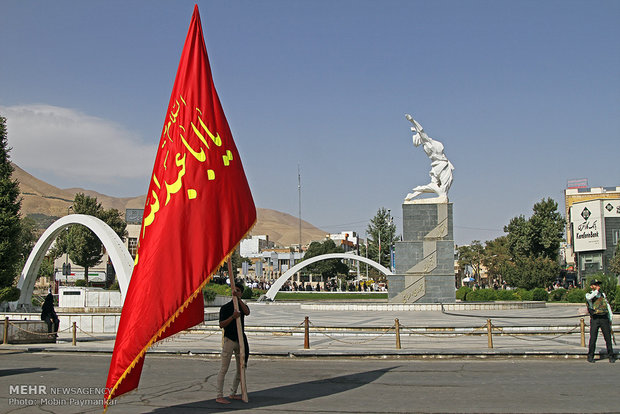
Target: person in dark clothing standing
point(228, 322)
point(600, 317)
point(49, 315)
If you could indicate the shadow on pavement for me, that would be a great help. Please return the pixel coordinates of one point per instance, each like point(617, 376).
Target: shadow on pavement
point(17, 371)
point(293, 393)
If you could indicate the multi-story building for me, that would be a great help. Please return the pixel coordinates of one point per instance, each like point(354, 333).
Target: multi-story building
point(348, 240)
point(255, 245)
point(593, 228)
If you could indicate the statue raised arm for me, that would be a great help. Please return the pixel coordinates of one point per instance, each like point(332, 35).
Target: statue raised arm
point(441, 167)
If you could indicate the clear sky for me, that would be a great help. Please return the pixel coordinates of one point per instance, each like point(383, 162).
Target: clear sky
point(524, 95)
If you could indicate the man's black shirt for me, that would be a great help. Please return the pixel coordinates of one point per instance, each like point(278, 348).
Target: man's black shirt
point(230, 331)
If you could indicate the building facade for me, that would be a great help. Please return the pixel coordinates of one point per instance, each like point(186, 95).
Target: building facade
point(593, 231)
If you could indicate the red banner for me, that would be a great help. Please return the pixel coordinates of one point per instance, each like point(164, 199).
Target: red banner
point(198, 208)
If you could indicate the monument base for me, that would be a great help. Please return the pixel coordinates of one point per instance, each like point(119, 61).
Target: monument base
point(407, 289)
point(425, 257)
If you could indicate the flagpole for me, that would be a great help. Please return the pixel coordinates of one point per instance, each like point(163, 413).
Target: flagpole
point(240, 335)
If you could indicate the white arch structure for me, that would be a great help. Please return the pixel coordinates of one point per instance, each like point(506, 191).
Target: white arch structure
point(119, 255)
point(273, 290)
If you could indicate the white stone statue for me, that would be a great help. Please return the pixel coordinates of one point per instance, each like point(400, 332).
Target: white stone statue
point(441, 168)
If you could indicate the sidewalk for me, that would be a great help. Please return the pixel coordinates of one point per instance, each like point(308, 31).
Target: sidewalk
point(277, 330)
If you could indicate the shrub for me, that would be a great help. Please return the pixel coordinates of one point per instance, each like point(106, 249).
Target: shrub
point(557, 295)
point(37, 300)
point(506, 295)
point(481, 295)
point(257, 293)
point(540, 294)
point(209, 295)
point(247, 293)
point(615, 306)
point(114, 286)
point(222, 290)
point(9, 294)
point(462, 292)
point(80, 282)
point(524, 294)
point(211, 290)
point(576, 295)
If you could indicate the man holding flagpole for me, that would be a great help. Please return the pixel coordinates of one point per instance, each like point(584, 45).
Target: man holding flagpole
point(230, 345)
point(198, 208)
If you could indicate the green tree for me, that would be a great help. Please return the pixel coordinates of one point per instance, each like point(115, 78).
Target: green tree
point(472, 255)
point(82, 245)
point(235, 261)
point(518, 238)
point(531, 272)
point(614, 263)
point(114, 218)
point(10, 204)
point(497, 258)
point(538, 236)
point(533, 245)
point(547, 229)
point(381, 235)
point(47, 268)
point(326, 268)
point(27, 239)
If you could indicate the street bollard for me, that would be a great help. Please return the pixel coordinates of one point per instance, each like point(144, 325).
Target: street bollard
point(306, 333)
point(490, 333)
point(397, 325)
point(582, 325)
point(74, 334)
point(6, 330)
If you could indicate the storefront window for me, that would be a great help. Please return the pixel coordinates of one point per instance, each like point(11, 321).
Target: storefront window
point(132, 245)
point(591, 263)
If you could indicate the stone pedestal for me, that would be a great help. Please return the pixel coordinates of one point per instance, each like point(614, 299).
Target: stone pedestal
point(424, 260)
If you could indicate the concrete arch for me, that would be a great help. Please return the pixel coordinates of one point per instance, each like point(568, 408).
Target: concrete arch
point(273, 290)
point(119, 255)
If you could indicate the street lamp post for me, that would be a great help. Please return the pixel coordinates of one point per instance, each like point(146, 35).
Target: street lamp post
point(67, 251)
point(366, 237)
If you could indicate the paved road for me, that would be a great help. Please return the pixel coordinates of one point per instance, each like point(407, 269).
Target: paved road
point(185, 384)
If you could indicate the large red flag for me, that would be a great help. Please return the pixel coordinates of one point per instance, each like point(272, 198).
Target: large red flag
point(198, 208)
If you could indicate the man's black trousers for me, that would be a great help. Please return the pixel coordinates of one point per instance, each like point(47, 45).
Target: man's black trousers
point(603, 323)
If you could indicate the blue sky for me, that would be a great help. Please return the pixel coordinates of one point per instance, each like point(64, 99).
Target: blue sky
point(524, 95)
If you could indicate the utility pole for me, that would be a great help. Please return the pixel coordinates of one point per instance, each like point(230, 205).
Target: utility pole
point(299, 192)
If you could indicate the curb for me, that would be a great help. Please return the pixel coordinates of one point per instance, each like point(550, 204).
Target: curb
point(330, 354)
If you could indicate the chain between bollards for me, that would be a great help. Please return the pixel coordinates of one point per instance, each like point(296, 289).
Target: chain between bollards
point(74, 334)
point(582, 325)
point(397, 325)
point(490, 333)
point(306, 333)
point(6, 330)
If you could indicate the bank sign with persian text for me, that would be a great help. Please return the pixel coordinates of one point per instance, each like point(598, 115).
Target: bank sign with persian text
point(588, 222)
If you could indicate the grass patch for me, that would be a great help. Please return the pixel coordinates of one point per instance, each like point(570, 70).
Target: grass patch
point(329, 296)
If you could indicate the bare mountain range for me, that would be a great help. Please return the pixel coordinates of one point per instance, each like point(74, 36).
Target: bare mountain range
point(47, 203)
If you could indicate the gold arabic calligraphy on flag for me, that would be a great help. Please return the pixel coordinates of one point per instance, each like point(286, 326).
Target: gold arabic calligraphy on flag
point(197, 139)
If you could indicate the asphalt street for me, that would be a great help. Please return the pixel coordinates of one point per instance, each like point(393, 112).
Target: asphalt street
point(50, 382)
